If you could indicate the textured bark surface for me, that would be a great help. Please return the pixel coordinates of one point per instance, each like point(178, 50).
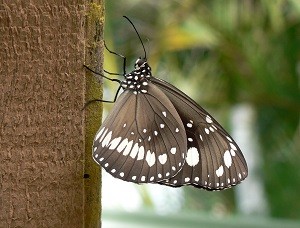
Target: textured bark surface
point(42, 84)
point(94, 59)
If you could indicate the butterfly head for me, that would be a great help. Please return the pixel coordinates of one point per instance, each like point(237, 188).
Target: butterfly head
point(138, 80)
point(142, 64)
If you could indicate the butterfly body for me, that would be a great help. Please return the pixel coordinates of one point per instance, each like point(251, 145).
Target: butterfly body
point(157, 134)
point(137, 81)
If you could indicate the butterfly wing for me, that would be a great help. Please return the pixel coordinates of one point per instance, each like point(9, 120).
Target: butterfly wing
point(213, 160)
point(143, 139)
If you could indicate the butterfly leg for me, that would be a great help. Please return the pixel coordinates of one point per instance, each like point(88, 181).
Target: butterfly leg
point(111, 79)
point(100, 100)
point(124, 65)
point(122, 56)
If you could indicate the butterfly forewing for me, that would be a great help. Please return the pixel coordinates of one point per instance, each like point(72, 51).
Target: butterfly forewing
point(143, 139)
point(213, 160)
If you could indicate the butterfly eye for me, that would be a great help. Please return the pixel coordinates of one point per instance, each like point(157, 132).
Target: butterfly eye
point(157, 134)
point(139, 62)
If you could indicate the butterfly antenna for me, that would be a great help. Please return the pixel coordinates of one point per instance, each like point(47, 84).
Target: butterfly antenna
point(138, 35)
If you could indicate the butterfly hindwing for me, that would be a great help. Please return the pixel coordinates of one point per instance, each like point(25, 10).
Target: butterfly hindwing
point(143, 139)
point(213, 160)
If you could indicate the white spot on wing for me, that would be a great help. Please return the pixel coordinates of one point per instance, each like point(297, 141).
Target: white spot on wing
point(208, 119)
point(144, 130)
point(155, 133)
point(164, 113)
point(162, 125)
point(187, 179)
point(220, 171)
point(106, 139)
point(128, 148)
point(150, 158)
point(173, 150)
point(227, 158)
point(189, 125)
point(232, 152)
point(201, 137)
point(122, 145)
point(121, 174)
point(114, 143)
point(134, 150)
point(99, 134)
point(162, 158)
point(192, 156)
point(176, 130)
point(141, 153)
point(229, 139)
point(143, 178)
point(232, 146)
point(206, 130)
point(102, 136)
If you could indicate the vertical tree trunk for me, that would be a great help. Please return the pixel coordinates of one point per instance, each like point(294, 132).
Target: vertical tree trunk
point(42, 131)
point(94, 58)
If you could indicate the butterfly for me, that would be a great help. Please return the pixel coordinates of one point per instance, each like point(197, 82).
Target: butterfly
point(155, 133)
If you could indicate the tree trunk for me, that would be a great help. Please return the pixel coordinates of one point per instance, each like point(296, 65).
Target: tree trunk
point(42, 127)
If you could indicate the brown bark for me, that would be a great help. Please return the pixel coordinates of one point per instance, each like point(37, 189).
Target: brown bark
point(42, 87)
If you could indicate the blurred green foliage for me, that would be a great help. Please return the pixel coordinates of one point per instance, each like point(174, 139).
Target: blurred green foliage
point(222, 53)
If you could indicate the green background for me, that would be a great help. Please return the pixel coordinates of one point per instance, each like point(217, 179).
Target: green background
point(224, 53)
